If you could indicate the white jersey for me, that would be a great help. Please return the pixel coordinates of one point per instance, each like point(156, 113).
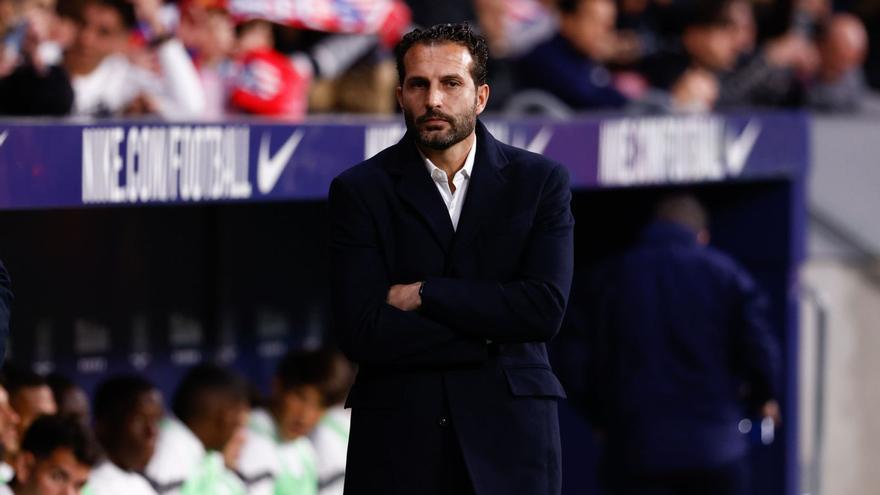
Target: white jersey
point(259, 464)
point(182, 465)
point(330, 440)
point(298, 475)
point(109, 479)
point(116, 82)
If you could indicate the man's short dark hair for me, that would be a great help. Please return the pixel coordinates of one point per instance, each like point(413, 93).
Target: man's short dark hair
point(18, 376)
point(460, 34)
point(202, 380)
point(569, 6)
point(116, 398)
point(124, 8)
point(325, 369)
point(49, 433)
point(684, 209)
point(707, 13)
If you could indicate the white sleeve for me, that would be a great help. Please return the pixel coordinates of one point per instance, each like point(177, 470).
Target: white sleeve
point(183, 96)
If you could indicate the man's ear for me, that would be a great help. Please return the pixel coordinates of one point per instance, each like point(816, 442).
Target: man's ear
point(482, 97)
point(24, 466)
point(399, 93)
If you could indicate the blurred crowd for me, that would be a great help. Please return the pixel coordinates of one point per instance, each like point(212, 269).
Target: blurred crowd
point(214, 59)
point(215, 435)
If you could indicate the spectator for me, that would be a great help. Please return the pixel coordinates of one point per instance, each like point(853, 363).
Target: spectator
point(209, 33)
point(70, 398)
point(771, 75)
point(210, 405)
point(57, 454)
point(107, 83)
point(267, 82)
point(29, 395)
point(9, 439)
point(128, 410)
point(31, 81)
point(677, 329)
point(570, 65)
point(840, 83)
point(706, 49)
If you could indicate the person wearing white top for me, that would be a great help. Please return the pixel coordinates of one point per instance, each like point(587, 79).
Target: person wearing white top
point(110, 479)
point(304, 385)
point(330, 440)
point(296, 473)
point(211, 408)
point(107, 83)
point(128, 410)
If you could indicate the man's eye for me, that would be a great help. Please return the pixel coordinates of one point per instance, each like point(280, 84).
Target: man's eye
point(453, 84)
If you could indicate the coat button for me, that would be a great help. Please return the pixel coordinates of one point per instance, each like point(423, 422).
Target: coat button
point(443, 422)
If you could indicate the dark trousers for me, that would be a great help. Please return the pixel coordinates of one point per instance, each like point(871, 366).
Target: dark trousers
point(729, 479)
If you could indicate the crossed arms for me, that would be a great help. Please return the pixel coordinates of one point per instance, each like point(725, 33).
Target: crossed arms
point(383, 324)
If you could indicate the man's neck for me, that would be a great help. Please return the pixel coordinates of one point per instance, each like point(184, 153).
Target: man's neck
point(452, 159)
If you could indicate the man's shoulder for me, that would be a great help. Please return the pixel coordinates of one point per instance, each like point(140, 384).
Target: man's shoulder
point(529, 164)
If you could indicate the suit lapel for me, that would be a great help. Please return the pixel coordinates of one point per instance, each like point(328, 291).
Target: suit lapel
point(485, 192)
point(415, 187)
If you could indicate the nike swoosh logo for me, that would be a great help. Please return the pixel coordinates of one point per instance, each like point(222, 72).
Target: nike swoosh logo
point(270, 168)
point(739, 148)
point(538, 143)
point(3, 137)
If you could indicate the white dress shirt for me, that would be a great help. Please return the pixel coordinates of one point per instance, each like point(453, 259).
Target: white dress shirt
point(454, 200)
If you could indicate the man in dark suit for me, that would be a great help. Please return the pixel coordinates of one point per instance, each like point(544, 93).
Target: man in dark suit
point(5, 308)
point(452, 261)
point(677, 328)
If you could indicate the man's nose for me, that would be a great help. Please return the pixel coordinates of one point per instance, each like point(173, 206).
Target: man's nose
point(435, 97)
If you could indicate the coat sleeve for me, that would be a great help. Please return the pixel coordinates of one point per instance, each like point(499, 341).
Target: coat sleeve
point(369, 330)
point(530, 307)
point(756, 352)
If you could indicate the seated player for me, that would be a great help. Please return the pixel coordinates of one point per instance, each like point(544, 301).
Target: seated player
point(57, 455)
point(128, 411)
point(210, 407)
point(299, 399)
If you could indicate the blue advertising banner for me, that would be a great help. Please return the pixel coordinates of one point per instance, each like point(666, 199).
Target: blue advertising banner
point(117, 163)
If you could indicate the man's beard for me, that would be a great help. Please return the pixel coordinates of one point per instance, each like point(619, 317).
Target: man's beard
point(460, 127)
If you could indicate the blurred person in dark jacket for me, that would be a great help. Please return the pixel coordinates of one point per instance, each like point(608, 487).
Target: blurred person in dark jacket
point(676, 330)
point(840, 83)
point(570, 65)
point(772, 74)
point(32, 82)
point(707, 47)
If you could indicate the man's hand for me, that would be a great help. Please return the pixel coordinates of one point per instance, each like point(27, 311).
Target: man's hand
point(405, 297)
point(770, 409)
